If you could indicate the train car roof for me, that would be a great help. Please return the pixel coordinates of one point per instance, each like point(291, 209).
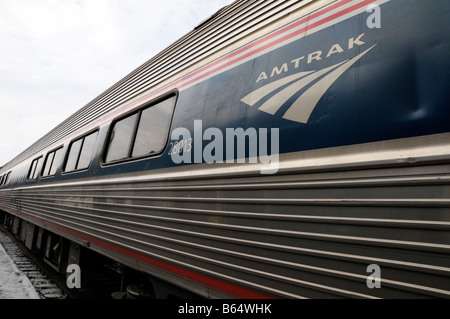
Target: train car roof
point(211, 38)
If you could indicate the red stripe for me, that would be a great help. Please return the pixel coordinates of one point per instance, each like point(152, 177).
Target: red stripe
point(272, 35)
point(247, 47)
point(202, 279)
point(220, 285)
point(281, 40)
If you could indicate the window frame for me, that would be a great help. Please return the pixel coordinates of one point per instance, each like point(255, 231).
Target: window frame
point(8, 176)
point(129, 158)
point(4, 179)
point(133, 136)
point(66, 157)
point(53, 159)
point(35, 160)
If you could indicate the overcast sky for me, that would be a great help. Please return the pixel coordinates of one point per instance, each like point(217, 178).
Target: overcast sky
point(58, 55)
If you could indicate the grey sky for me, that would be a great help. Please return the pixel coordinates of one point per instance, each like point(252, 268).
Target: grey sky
point(58, 55)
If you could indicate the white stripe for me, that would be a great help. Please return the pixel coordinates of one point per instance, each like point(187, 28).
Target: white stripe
point(276, 101)
point(293, 39)
point(301, 109)
point(258, 94)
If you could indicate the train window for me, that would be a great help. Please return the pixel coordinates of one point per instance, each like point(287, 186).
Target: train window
point(4, 179)
point(52, 162)
point(35, 168)
point(7, 178)
point(80, 153)
point(87, 151)
point(142, 133)
point(48, 164)
point(32, 168)
point(121, 139)
point(74, 153)
point(151, 136)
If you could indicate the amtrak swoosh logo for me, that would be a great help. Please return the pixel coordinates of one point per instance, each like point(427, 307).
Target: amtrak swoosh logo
point(301, 109)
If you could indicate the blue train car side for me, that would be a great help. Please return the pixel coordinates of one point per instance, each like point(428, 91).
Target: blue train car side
point(278, 150)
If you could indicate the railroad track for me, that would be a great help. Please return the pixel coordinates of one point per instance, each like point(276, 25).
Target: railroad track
point(45, 283)
point(49, 284)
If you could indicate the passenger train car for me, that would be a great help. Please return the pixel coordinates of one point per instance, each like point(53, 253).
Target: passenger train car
point(281, 149)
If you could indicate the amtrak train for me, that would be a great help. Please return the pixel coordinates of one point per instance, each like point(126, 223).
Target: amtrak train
point(281, 149)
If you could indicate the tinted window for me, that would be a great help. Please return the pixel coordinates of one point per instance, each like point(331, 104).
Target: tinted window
point(35, 168)
point(87, 151)
point(52, 162)
point(142, 133)
point(48, 164)
point(32, 168)
point(38, 167)
point(121, 139)
point(151, 136)
point(80, 153)
point(7, 178)
point(4, 179)
point(57, 161)
point(74, 152)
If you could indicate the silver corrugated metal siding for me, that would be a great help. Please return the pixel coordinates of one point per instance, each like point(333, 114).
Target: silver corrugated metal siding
point(233, 23)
